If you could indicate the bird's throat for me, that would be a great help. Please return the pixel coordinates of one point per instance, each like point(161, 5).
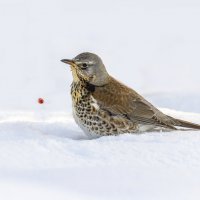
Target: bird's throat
point(74, 74)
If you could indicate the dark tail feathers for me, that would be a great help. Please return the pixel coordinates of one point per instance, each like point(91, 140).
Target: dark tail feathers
point(182, 123)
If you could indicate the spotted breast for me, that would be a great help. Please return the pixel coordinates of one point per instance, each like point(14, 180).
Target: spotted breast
point(93, 120)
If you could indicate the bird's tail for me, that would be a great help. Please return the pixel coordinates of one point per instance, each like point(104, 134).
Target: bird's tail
point(186, 124)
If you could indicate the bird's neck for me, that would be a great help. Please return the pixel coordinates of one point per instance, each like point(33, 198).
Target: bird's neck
point(83, 85)
point(74, 74)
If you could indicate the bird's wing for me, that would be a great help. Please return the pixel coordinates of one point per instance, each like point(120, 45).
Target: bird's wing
point(118, 99)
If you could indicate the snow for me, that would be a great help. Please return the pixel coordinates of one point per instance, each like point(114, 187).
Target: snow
point(48, 156)
point(152, 46)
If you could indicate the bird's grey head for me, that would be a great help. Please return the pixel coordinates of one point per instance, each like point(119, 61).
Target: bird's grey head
point(88, 67)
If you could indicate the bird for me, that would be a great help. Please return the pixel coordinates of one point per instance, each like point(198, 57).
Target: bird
point(103, 106)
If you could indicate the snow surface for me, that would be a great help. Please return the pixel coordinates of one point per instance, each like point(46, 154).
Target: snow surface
point(152, 46)
point(48, 157)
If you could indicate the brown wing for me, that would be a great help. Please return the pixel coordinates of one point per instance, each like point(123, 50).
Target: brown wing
point(118, 99)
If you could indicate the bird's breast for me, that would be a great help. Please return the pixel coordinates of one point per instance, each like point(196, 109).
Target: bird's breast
point(92, 118)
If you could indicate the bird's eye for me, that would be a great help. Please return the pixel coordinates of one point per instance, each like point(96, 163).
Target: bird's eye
point(84, 66)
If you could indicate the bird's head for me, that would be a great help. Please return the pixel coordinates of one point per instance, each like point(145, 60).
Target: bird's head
point(88, 67)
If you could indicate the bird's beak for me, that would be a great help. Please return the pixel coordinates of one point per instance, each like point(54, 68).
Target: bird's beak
point(68, 61)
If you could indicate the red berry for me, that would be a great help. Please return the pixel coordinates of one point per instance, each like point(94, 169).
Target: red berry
point(40, 100)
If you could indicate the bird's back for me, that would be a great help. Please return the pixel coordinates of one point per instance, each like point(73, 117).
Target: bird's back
point(119, 99)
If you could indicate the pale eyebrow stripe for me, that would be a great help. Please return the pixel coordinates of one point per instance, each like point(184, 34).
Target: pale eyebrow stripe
point(87, 62)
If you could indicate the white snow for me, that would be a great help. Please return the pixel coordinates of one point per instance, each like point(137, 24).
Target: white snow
point(152, 46)
point(48, 157)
